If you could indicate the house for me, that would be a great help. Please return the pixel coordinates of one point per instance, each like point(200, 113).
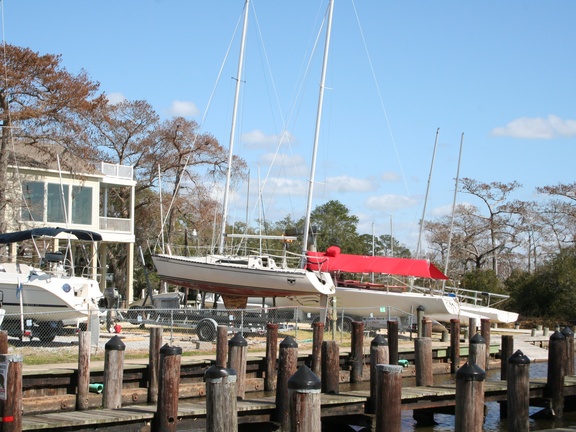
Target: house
point(49, 186)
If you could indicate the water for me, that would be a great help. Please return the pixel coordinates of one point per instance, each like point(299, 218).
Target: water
point(493, 423)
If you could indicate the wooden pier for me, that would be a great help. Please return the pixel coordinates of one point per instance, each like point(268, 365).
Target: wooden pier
point(258, 408)
point(50, 403)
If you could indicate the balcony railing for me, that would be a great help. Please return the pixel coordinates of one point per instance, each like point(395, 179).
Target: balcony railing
point(118, 171)
point(115, 224)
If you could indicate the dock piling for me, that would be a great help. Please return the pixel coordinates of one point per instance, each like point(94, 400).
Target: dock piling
point(237, 356)
point(287, 365)
point(454, 345)
point(11, 407)
point(271, 356)
point(330, 367)
point(378, 355)
point(156, 335)
point(83, 370)
point(113, 373)
point(305, 405)
point(469, 415)
point(221, 413)
point(518, 393)
point(389, 398)
point(168, 389)
point(357, 352)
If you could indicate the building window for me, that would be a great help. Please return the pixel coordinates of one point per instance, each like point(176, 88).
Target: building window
point(57, 203)
point(33, 209)
point(81, 205)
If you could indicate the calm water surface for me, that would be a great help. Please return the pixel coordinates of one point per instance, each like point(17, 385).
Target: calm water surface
point(493, 422)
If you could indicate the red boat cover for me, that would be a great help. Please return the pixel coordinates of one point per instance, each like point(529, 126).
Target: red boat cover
point(332, 260)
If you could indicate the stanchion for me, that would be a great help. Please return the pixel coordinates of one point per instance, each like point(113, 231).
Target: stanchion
point(83, 370)
point(393, 341)
point(469, 399)
point(304, 393)
point(113, 373)
point(156, 335)
point(237, 356)
point(389, 398)
point(11, 406)
point(271, 356)
point(221, 345)
point(317, 339)
point(221, 414)
point(168, 389)
point(330, 367)
point(378, 355)
point(554, 389)
point(518, 393)
point(357, 352)
point(454, 345)
point(485, 332)
point(287, 364)
point(477, 354)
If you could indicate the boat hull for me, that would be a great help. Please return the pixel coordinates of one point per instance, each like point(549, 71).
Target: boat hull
point(45, 297)
point(240, 280)
point(364, 302)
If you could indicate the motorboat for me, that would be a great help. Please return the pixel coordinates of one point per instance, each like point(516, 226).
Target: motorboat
point(40, 287)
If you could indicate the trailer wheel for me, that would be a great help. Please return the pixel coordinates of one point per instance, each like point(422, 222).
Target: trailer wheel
point(47, 331)
point(206, 330)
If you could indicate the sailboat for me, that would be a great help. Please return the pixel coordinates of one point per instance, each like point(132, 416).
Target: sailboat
point(48, 295)
point(236, 278)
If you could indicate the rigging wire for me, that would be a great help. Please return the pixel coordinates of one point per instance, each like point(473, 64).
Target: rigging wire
point(380, 97)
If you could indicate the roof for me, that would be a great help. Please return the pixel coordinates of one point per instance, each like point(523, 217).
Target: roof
point(332, 260)
point(45, 156)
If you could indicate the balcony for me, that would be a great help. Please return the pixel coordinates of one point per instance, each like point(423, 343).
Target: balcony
point(117, 225)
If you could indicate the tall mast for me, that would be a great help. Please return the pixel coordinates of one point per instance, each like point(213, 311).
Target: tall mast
point(233, 129)
point(317, 134)
point(453, 210)
point(419, 246)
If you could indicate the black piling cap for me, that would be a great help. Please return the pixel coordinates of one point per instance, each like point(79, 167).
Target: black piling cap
point(477, 339)
point(214, 372)
point(168, 350)
point(304, 379)
point(237, 341)
point(115, 344)
point(470, 372)
point(518, 358)
point(379, 340)
point(567, 332)
point(420, 308)
point(288, 342)
point(557, 336)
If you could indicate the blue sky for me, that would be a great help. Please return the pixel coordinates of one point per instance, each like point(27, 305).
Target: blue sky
point(501, 72)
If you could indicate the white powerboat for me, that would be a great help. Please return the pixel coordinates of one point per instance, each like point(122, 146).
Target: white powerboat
point(46, 295)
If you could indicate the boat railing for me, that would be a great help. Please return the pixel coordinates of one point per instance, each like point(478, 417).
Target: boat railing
point(482, 298)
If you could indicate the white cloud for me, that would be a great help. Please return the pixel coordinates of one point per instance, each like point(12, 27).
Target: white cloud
point(348, 184)
point(389, 203)
point(183, 109)
point(115, 98)
point(391, 176)
point(258, 139)
point(537, 128)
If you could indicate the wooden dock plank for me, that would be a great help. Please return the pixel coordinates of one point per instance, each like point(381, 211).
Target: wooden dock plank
point(349, 401)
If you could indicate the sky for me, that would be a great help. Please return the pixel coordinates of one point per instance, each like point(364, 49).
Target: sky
point(496, 76)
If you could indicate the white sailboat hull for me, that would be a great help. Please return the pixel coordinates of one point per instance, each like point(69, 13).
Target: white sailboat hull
point(231, 277)
point(365, 302)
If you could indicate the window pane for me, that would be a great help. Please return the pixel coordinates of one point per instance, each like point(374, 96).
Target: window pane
point(56, 208)
point(33, 209)
point(81, 205)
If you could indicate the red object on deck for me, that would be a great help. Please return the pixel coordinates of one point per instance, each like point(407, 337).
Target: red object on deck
point(332, 260)
point(117, 328)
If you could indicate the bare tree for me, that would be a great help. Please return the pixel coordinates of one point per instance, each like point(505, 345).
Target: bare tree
point(40, 103)
point(494, 195)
